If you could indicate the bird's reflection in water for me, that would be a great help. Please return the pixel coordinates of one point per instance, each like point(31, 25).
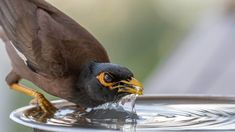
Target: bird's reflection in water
point(112, 115)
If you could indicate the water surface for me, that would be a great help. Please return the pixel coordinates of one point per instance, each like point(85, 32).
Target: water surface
point(151, 114)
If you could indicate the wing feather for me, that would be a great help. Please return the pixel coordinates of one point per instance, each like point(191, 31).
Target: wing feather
point(53, 43)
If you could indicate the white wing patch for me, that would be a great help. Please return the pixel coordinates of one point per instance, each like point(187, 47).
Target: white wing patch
point(20, 54)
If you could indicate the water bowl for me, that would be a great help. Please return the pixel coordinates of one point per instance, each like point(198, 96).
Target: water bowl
point(153, 113)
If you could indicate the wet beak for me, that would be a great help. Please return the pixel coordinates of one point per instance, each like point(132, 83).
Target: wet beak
point(133, 86)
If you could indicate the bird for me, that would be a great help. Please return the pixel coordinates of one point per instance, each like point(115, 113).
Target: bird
point(57, 54)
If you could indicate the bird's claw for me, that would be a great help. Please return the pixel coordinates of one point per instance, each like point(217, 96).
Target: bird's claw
point(33, 102)
point(44, 104)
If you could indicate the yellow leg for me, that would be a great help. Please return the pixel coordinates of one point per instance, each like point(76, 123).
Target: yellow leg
point(44, 104)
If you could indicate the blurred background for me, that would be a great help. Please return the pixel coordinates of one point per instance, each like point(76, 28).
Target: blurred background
point(174, 47)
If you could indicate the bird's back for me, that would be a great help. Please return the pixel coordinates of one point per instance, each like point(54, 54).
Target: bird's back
point(52, 42)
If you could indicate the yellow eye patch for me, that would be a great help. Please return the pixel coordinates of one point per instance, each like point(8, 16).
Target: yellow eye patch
point(101, 78)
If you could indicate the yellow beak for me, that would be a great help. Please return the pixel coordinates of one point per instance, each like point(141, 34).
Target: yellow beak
point(133, 86)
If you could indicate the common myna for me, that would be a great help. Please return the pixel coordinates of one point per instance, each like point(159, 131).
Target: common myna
point(57, 54)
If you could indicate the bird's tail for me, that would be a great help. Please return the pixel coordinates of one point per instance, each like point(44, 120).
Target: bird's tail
point(18, 18)
point(14, 14)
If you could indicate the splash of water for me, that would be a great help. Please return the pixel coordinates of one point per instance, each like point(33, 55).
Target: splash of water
point(122, 110)
point(126, 103)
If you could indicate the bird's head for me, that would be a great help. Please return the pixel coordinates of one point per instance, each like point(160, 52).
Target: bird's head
point(106, 82)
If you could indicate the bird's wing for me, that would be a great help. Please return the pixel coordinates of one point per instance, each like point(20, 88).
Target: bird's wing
point(52, 42)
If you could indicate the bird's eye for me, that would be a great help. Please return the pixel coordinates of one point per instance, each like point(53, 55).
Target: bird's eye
point(108, 78)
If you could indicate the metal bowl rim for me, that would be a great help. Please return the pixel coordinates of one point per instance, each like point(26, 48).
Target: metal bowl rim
point(16, 113)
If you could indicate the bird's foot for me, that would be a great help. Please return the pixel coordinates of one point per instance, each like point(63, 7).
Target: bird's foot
point(33, 102)
point(43, 103)
point(39, 98)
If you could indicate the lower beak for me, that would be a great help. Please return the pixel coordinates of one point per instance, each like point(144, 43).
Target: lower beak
point(133, 86)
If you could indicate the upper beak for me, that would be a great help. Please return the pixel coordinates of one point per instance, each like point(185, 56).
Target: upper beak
point(133, 86)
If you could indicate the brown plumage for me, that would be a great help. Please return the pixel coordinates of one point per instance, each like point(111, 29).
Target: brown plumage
point(56, 49)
